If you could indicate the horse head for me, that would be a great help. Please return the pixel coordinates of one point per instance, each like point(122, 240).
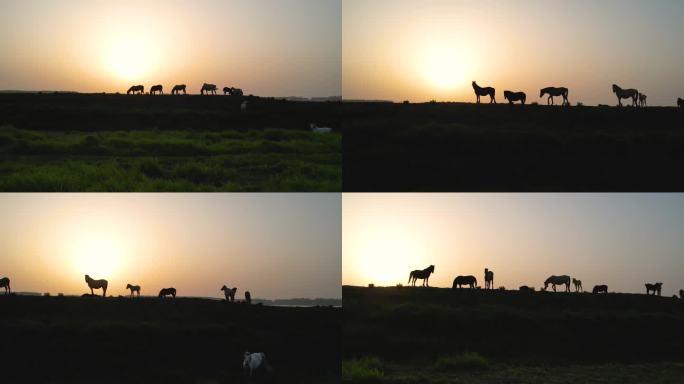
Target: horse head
point(224, 288)
point(615, 88)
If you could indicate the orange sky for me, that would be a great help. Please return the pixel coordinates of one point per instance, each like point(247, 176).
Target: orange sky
point(274, 245)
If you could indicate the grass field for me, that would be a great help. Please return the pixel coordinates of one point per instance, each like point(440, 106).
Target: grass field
point(93, 142)
point(470, 147)
point(433, 335)
point(147, 340)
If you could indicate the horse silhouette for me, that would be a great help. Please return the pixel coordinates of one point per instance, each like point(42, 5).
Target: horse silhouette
point(489, 279)
point(558, 280)
point(681, 293)
point(167, 291)
point(642, 100)
point(515, 96)
point(578, 285)
point(655, 288)
point(599, 289)
point(626, 94)
point(680, 102)
point(554, 92)
point(5, 283)
point(177, 89)
point(484, 91)
point(157, 89)
point(464, 280)
point(136, 89)
point(248, 297)
point(133, 288)
point(229, 292)
point(232, 91)
point(96, 284)
point(525, 288)
point(421, 274)
point(207, 88)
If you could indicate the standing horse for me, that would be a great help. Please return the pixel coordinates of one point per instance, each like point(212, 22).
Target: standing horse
point(484, 91)
point(229, 292)
point(5, 283)
point(177, 89)
point(489, 279)
point(578, 285)
point(558, 280)
point(157, 89)
point(232, 91)
point(133, 288)
point(136, 89)
point(554, 92)
point(680, 102)
point(207, 88)
point(166, 292)
point(515, 96)
point(96, 284)
point(421, 274)
point(655, 288)
point(642, 100)
point(248, 297)
point(626, 94)
point(464, 280)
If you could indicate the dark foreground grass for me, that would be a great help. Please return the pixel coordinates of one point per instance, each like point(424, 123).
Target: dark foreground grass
point(435, 335)
point(120, 143)
point(469, 147)
point(147, 340)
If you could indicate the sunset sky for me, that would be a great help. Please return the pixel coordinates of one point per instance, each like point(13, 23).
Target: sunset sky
point(266, 47)
point(434, 49)
point(274, 245)
point(622, 240)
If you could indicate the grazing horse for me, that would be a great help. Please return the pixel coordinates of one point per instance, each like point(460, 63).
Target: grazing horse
point(599, 289)
point(421, 274)
point(515, 96)
point(680, 102)
point(232, 91)
point(626, 94)
point(642, 100)
point(578, 285)
point(464, 280)
point(5, 283)
point(525, 288)
point(553, 92)
point(229, 292)
point(96, 284)
point(167, 291)
point(248, 297)
point(255, 362)
point(207, 88)
point(177, 89)
point(655, 288)
point(133, 288)
point(157, 89)
point(558, 280)
point(484, 91)
point(489, 279)
point(136, 89)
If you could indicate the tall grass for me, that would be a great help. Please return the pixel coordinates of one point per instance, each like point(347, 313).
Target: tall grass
point(365, 369)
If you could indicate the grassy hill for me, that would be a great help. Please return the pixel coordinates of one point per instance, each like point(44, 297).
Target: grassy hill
point(470, 147)
point(435, 335)
point(93, 339)
point(98, 142)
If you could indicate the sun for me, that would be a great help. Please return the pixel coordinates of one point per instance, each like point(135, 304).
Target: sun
point(130, 58)
point(99, 256)
point(444, 68)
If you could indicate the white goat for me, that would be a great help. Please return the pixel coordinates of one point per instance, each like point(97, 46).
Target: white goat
point(254, 362)
point(316, 129)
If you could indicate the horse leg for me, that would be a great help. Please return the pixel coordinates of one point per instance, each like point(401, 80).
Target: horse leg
point(91, 291)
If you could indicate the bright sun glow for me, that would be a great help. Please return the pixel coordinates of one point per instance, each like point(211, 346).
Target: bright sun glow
point(130, 58)
point(444, 68)
point(100, 256)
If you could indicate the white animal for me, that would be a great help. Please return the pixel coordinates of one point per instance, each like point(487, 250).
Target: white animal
point(243, 106)
point(254, 362)
point(316, 129)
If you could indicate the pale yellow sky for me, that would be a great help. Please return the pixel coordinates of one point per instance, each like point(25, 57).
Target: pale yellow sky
point(266, 47)
point(622, 240)
point(274, 245)
point(434, 49)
